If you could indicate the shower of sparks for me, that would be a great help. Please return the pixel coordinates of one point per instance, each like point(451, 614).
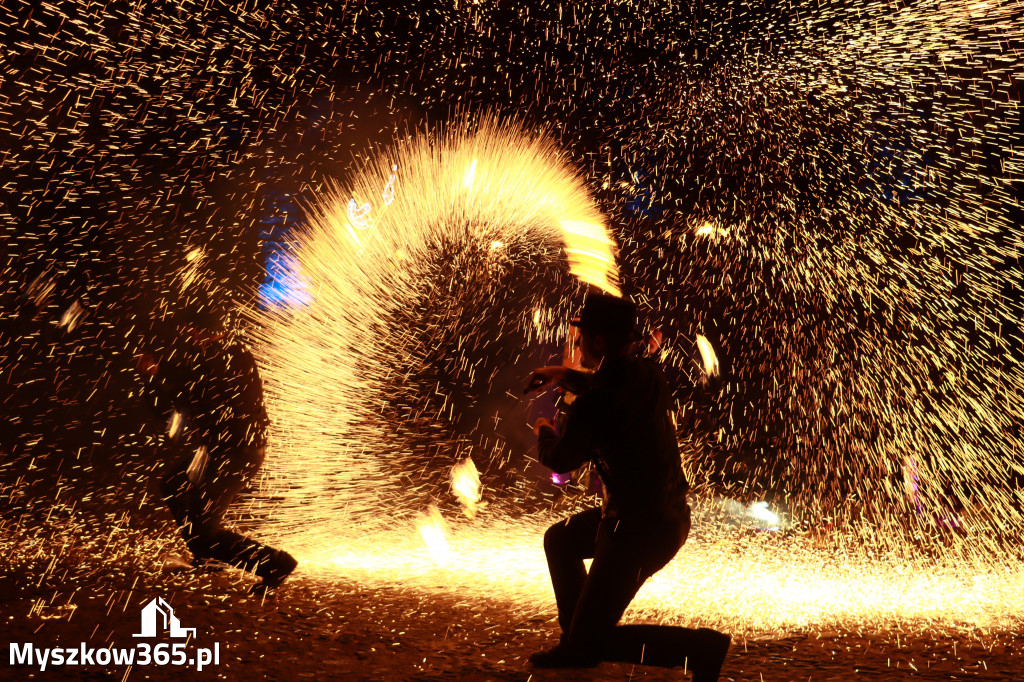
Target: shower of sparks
point(343, 373)
point(753, 585)
point(868, 170)
point(828, 192)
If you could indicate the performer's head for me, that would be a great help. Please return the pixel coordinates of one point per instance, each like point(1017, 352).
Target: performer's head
point(203, 317)
point(607, 327)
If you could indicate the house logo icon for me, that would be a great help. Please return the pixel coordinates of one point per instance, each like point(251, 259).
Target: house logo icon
point(159, 609)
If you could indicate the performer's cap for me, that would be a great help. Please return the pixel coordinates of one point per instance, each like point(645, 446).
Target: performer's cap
point(603, 313)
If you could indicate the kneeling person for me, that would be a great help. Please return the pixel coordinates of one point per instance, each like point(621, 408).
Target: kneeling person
point(216, 383)
point(621, 422)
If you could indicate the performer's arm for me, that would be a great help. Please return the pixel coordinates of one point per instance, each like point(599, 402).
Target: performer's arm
point(569, 450)
point(572, 380)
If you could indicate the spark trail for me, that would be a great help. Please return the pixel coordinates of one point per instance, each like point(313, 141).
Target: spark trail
point(839, 188)
point(835, 242)
point(391, 284)
point(845, 234)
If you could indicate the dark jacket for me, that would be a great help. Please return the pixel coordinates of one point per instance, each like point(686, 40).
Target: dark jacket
point(622, 423)
point(217, 383)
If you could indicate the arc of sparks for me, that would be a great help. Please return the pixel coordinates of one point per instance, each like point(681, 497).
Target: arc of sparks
point(327, 366)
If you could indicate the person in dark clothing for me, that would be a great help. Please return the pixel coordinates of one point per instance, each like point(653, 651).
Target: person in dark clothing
point(212, 388)
point(621, 422)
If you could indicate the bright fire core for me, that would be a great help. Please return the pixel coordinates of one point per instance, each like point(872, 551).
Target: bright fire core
point(754, 585)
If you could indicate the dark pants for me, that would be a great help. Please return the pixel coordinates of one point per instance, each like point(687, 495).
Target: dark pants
point(199, 505)
point(625, 554)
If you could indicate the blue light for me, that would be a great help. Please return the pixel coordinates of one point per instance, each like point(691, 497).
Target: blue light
point(283, 286)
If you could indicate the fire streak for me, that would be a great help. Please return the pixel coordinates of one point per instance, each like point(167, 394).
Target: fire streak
point(331, 367)
point(753, 584)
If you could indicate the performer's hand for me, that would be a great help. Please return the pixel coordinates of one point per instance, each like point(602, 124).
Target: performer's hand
point(545, 376)
point(541, 422)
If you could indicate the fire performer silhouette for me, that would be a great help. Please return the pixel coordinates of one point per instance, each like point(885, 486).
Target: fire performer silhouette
point(621, 422)
point(211, 388)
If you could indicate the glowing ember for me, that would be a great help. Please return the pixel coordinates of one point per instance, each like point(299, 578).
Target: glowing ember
point(760, 511)
point(175, 425)
point(467, 181)
point(707, 228)
point(192, 271)
point(708, 357)
point(197, 467)
point(466, 486)
point(591, 253)
point(560, 479)
point(434, 532)
point(72, 316)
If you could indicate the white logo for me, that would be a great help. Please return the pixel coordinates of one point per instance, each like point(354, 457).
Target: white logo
point(170, 623)
point(142, 654)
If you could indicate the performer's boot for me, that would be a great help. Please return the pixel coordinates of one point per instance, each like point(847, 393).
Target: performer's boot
point(273, 570)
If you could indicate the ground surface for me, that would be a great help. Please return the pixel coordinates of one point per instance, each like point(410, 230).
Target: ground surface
point(68, 591)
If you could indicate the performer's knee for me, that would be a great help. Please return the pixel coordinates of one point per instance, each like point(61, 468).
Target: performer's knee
point(554, 538)
point(205, 534)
